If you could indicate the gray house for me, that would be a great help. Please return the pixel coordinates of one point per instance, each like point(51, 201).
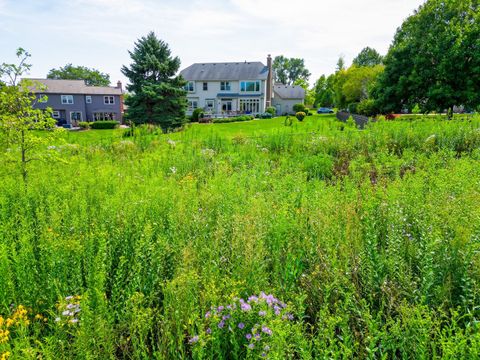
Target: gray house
point(286, 96)
point(72, 101)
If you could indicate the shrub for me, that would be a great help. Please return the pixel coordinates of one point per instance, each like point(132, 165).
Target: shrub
point(352, 108)
point(299, 108)
point(271, 110)
point(265, 115)
point(367, 107)
point(416, 109)
point(196, 115)
point(300, 115)
point(84, 125)
point(110, 124)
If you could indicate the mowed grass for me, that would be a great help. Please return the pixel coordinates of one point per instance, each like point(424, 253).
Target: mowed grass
point(246, 240)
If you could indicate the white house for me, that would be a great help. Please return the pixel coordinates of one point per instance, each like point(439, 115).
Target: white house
point(285, 96)
point(224, 89)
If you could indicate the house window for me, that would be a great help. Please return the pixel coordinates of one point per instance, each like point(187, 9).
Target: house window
point(205, 86)
point(101, 116)
point(192, 105)
point(250, 86)
point(88, 99)
point(67, 99)
point(225, 86)
point(75, 116)
point(209, 104)
point(56, 114)
point(227, 105)
point(190, 87)
point(109, 100)
point(250, 105)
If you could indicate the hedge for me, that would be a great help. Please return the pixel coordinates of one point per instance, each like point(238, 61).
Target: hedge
point(111, 124)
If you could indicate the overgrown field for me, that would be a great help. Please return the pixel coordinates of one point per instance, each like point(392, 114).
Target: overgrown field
point(249, 240)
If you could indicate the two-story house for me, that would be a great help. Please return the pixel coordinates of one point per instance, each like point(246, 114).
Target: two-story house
point(72, 101)
point(229, 88)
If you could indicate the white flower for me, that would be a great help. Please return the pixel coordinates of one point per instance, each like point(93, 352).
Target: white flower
point(173, 169)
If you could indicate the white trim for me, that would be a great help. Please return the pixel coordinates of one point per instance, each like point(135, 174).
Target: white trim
point(56, 114)
point(187, 86)
point(109, 97)
point(88, 99)
point(76, 112)
point(66, 99)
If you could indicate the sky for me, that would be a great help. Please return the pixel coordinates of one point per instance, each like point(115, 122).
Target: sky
point(99, 33)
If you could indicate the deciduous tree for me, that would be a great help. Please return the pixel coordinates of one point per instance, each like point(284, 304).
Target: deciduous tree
point(92, 77)
point(288, 71)
point(368, 57)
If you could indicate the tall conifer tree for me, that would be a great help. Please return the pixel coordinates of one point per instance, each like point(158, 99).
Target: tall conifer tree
point(157, 93)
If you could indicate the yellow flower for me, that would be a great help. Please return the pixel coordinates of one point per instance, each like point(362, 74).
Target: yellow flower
point(10, 322)
point(5, 355)
point(2, 321)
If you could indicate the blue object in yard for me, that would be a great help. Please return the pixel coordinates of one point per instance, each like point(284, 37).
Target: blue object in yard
point(323, 110)
point(67, 126)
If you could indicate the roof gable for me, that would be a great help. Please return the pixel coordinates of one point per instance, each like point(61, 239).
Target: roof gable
point(289, 91)
point(225, 71)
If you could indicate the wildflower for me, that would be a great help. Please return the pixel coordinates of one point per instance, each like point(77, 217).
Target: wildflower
point(208, 315)
point(264, 354)
point(266, 330)
point(193, 339)
point(262, 313)
point(258, 336)
point(248, 336)
point(73, 321)
point(221, 324)
point(57, 319)
point(66, 313)
point(253, 298)
point(266, 348)
point(220, 309)
point(226, 317)
point(245, 307)
point(208, 331)
point(251, 346)
point(173, 169)
point(241, 325)
point(68, 298)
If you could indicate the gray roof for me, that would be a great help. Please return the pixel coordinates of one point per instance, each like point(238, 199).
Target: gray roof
point(225, 71)
point(289, 91)
point(68, 87)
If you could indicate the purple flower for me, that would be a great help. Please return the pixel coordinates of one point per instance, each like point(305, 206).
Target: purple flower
point(226, 317)
point(262, 313)
point(220, 308)
point(221, 324)
point(264, 354)
point(208, 314)
point(193, 339)
point(253, 298)
point(266, 330)
point(209, 331)
point(251, 346)
point(257, 336)
point(248, 336)
point(246, 307)
point(241, 325)
point(289, 316)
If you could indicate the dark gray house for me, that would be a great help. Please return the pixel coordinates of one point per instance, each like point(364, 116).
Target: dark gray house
point(73, 101)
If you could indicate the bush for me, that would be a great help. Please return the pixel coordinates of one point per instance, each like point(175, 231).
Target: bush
point(265, 115)
point(233, 119)
point(299, 108)
point(84, 125)
point(300, 115)
point(197, 114)
point(367, 107)
point(271, 110)
point(352, 108)
point(110, 124)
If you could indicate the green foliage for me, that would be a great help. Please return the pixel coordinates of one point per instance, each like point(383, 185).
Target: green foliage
point(368, 57)
point(157, 93)
point(323, 91)
point(369, 237)
point(92, 77)
point(19, 142)
point(197, 114)
point(299, 108)
point(367, 107)
point(265, 115)
point(233, 119)
point(416, 109)
point(288, 71)
point(84, 124)
point(271, 110)
point(434, 59)
point(300, 115)
point(108, 124)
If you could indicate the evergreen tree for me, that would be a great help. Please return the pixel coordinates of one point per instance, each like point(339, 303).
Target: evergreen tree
point(368, 57)
point(157, 93)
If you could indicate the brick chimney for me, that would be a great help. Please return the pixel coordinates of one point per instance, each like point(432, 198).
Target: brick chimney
point(268, 96)
point(119, 85)
point(122, 109)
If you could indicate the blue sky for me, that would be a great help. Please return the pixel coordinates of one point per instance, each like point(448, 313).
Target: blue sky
point(99, 33)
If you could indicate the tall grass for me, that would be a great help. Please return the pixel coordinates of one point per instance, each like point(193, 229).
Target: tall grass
point(371, 239)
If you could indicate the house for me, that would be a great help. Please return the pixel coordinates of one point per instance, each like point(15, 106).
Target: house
point(72, 101)
point(229, 88)
point(285, 96)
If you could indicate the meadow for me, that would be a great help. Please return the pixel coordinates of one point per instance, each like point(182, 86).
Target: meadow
point(246, 240)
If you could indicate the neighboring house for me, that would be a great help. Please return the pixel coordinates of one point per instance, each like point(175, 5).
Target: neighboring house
point(285, 96)
point(72, 101)
point(229, 88)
